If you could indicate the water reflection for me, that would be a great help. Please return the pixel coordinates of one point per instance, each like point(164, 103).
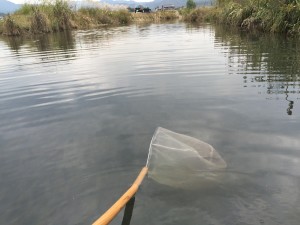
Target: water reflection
point(77, 116)
point(62, 40)
point(46, 42)
point(265, 61)
point(14, 43)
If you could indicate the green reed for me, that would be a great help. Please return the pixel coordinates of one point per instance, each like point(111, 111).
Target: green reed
point(275, 16)
point(59, 16)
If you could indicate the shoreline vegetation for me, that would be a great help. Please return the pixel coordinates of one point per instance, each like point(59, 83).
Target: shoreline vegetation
point(270, 16)
point(59, 16)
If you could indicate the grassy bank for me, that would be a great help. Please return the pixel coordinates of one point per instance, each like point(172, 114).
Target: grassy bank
point(58, 16)
point(155, 17)
point(199, 15)
point(276, 16)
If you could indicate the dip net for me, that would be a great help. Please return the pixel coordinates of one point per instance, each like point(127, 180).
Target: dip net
point(181, 161)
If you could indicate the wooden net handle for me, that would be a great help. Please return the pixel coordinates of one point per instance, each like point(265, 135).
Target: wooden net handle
point(113, 211)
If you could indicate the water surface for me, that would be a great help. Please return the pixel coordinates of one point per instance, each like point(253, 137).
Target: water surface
point(78, 111)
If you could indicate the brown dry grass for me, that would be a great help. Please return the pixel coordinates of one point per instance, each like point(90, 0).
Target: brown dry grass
point(159, 16)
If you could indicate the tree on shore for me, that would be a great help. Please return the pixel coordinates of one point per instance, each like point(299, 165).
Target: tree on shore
point(190, 4)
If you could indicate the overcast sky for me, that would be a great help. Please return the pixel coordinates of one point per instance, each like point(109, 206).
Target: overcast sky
point(35, 1)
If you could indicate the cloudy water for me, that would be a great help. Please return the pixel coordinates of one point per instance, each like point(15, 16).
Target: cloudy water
point(78, 111)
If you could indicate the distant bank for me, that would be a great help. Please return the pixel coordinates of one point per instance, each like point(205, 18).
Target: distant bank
point(60, 16)
point(276, 16)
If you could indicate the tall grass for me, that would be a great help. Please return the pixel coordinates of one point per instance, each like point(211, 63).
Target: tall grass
point(55, 16)
point(58, 13)
point(40, 22)
point(26, 9)
point(105, 16)
point(168, 15)
point(275, 16)
point(198, 15)
point(156, 17)
point(61, 15)
point(10, 27)
point(41, 18)
point(58, 16)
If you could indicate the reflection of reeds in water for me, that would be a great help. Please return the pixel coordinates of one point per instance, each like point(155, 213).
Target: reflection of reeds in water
point(265, 61)
point(46, 42)
point(14, 43)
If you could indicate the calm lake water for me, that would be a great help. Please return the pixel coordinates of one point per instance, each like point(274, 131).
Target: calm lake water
point(78, 111)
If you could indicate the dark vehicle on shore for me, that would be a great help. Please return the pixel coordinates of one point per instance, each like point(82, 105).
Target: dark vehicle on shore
point(141, 9)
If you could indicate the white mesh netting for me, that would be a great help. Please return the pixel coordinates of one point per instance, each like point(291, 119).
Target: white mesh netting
point(181, 161)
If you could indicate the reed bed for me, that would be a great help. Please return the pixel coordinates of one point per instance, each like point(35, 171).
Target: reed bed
point(59, 16)
point(274, 16)
point(156, 17)
point(198, 15)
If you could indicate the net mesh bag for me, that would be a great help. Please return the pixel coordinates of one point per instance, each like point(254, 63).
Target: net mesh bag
point(181, 161)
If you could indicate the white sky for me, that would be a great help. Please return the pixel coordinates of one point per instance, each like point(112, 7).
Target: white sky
point(36, 1)
point(16, 1)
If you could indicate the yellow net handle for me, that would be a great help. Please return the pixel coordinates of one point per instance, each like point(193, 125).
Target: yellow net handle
point(113, 211)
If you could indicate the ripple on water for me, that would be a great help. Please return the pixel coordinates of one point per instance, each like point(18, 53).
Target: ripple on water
point(78, 111)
